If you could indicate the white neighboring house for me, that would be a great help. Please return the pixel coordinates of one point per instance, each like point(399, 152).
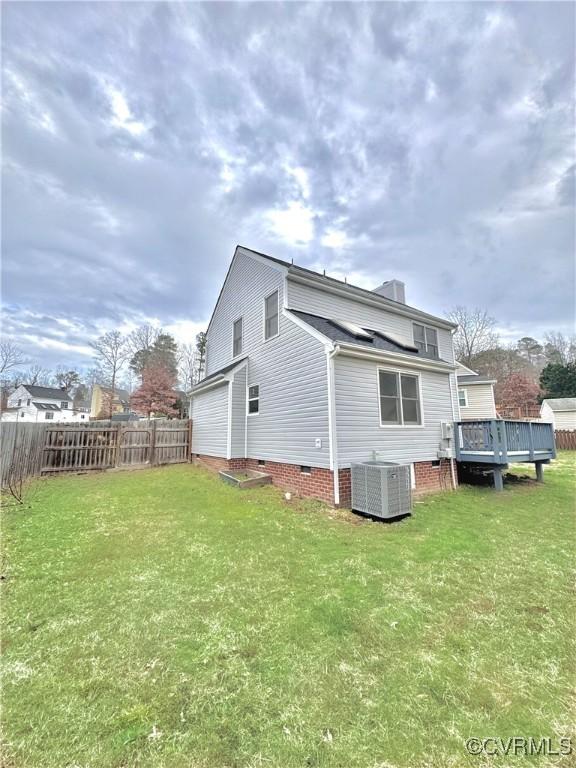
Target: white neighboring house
point(475, 395)
point(306, 374)
point(41, 404)
point(560, 411)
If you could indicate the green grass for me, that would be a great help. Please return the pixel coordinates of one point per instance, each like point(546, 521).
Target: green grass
point(162, 618)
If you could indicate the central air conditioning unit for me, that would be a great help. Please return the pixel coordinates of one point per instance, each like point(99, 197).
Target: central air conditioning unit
point(381, 489)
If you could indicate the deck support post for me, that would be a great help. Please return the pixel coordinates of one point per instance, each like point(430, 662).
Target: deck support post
point(498, 479)
point(539, 471)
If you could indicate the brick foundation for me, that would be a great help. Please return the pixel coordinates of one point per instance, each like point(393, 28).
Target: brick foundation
point(430, 478)
point(319, 483)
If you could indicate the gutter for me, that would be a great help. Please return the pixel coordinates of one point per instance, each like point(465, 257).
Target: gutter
point(397, 358)
point(332, 432)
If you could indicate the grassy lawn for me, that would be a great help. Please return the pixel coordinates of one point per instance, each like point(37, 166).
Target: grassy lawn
point(161, 618)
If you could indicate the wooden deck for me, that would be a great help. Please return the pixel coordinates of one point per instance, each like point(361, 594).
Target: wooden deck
point(500, 442)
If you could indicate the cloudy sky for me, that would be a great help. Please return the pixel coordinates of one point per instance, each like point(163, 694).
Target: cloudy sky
point(141, 141)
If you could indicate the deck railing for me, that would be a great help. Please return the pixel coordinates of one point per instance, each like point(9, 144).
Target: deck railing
point(501, 441)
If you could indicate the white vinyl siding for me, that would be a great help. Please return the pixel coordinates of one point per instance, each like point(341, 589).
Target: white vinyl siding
point(290, 369)
point(480, 402)
point(238, 443)
point(210, 421)
point(564, 419)
point(358, 425)
point(318, 302)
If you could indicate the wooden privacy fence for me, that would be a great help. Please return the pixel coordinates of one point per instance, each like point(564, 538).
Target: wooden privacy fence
point(32, 449)
point(565, 439)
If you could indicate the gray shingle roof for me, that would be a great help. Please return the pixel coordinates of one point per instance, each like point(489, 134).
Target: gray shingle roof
point(470, 379)
point(216, 374)
point(561, 403)
point(49, 392)
point(46, 406)
point(332, 330)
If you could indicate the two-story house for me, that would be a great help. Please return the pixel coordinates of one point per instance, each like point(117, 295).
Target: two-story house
point(306, 374)
point(40, 404)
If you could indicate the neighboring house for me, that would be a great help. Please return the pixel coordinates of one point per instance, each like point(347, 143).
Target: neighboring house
point(306, 374)
point(560, 411)
point(101, 397)
point(475, 395)
point(40, 404)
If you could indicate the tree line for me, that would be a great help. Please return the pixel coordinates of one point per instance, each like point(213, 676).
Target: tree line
point(526, 371)
point(147, 362)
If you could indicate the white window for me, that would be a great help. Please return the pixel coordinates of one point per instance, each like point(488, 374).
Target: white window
point(462, 398)
point(237, 338)
point(19, 402)
point(48, 415)
point(254, 399)
point(399, 395)
point(28, 401)
point(271, 316)
point(426, 340)
point(64, 405)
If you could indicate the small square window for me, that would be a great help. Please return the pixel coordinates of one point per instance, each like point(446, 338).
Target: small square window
point(261, 463)
point(48, 415)
point(64, 405)
point(305, 470)
point(436, 463)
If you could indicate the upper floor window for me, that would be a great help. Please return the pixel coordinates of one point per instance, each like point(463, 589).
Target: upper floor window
point(237, 338)
point(271, 316)
point(64, 405)
point(254, 399)
point(462, 398)
point(399, 395)
point(426, 340)
point(28, 401)
point(19, 402)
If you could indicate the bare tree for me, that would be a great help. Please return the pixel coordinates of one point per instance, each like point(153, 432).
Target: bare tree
point(187, 366)
point(67, 379)
point(560, 349)
point(111, 352)
point(140, 343)
point(36, 375)
point(11, 356)
point(475, 333)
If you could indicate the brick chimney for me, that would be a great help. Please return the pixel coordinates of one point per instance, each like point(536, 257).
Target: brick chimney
point(392, 289)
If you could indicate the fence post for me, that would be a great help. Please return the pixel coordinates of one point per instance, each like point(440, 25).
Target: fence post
point(189, 439)
point(153, 444)
point(118, 444)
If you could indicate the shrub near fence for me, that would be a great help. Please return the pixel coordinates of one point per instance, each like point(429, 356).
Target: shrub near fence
point(565, 439)
point(35, 449)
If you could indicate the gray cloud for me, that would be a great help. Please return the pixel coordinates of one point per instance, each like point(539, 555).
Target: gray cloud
point(432, 142)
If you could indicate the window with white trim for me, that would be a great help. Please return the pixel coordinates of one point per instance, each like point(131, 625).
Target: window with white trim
point(48, 415)
point(64, 405)
point(237, 332)
point(399, 395)
point(426, 340)
point(462, 398)
point(271, 316)
point(254, 399)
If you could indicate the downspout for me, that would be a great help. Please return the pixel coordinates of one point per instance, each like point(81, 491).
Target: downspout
point(332, 436)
